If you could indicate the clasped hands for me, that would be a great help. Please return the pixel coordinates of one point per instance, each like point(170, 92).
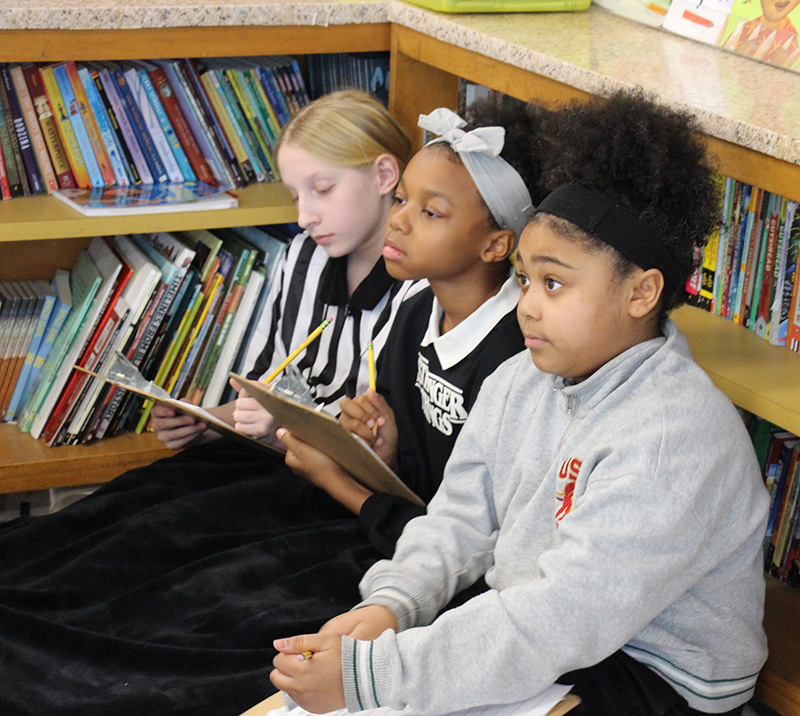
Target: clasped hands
point(314, 681)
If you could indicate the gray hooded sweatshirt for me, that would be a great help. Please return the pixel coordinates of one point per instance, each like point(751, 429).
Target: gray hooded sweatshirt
point(623, 512)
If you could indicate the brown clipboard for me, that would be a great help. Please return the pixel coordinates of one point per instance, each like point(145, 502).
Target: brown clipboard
point(214, 423)
point(331, 437)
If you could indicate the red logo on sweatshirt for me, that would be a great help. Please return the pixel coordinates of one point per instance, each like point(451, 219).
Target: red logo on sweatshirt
point(566, 485)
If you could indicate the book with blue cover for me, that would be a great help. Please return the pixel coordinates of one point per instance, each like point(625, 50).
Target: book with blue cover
point(147, 199)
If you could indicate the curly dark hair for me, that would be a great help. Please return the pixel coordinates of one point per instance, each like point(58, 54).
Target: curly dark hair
point(647, 156)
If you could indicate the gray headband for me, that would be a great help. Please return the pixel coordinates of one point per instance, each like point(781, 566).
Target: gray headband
point(501, 187)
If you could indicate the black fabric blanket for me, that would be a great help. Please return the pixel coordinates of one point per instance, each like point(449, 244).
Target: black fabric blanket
point(161, 593)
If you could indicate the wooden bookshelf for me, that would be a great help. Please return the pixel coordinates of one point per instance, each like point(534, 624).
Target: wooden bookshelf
point(779, 683)
point(758, 377)
point(28, 464)
point(266, 203)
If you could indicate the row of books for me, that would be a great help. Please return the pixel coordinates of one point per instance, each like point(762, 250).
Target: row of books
point(749, 271)
point(779, 453)
point(367, 71)
point(181, 307)
point(96, 124)
point(764, 30)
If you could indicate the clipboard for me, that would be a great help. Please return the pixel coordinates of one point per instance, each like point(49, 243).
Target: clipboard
point(214, 423)
point(331, 437)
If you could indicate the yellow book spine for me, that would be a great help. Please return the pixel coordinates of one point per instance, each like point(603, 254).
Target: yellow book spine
point(65, 131)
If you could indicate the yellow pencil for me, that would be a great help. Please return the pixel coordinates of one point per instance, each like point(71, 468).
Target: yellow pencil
point(371, 359)
point(311, 338)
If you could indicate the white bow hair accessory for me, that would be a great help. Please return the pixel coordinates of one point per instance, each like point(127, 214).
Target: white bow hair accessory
point(498, 183)
point(448, 125)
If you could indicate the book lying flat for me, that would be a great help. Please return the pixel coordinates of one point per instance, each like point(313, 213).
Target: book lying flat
point(555, 700)
point(160, 396)
point(328, 435)
point(146, 199)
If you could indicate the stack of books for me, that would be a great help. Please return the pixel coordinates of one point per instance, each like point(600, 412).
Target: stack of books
point(749, 271)
point(779, 454)
point(181, 307)
point(87, 125)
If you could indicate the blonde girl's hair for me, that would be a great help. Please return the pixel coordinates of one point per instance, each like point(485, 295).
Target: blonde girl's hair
point(349, 129)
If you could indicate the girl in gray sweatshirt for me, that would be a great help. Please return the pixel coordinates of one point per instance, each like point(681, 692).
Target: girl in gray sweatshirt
point(605, 489)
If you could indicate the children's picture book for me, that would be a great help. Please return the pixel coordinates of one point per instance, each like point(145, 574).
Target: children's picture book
point(328, 435)
point(765, 30)
point(147, 199)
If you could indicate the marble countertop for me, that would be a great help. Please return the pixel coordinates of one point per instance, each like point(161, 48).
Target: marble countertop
point(734, 98)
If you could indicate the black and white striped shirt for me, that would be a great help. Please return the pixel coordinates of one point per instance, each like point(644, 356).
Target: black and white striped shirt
point(309, 286)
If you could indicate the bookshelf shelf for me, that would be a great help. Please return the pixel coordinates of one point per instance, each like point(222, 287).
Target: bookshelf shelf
point(757, 376)
point(28, 464)
point(43, 217)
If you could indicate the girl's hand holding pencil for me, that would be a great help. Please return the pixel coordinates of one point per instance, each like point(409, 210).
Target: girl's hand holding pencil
point(370, 417)
point(313, 681)
point(250, 417)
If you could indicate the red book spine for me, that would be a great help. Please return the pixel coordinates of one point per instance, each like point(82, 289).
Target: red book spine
point(47, 121)
point(5, 189)
point(182, 130)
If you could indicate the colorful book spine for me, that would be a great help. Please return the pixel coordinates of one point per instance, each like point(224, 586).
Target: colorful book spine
point(261, 131)
point(187, 104)
point(5, 189)
point(128, 135)
point(287, 89)
point(199, 331)
point(65, 129)
point(217, 134)
point(137, 122)
point(740, 226)
point(300, 82)
point(788, 277)
point(48, 125)
point(261, 158)
point(183, 131)
point(190, 299)
point(184, 166)
point(104, 127)
point(219, 102)
point(89, 121)
point(276, 99)
point(58, 318)
point(78, 126)
point(34, 130)
point(763, 293)
point(17, 180)
point(259, 99)
point(153, 126)
point(131, 170)
point(23, 381)
point(793, 324)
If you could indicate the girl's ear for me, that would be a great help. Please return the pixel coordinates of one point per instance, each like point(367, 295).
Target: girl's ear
point(646, 292)
point(388, 173)
point(499, 246)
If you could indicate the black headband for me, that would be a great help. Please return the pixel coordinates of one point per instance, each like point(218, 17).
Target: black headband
point(618, 226)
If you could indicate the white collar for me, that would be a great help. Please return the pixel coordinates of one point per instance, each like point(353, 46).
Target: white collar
point(458, 343)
